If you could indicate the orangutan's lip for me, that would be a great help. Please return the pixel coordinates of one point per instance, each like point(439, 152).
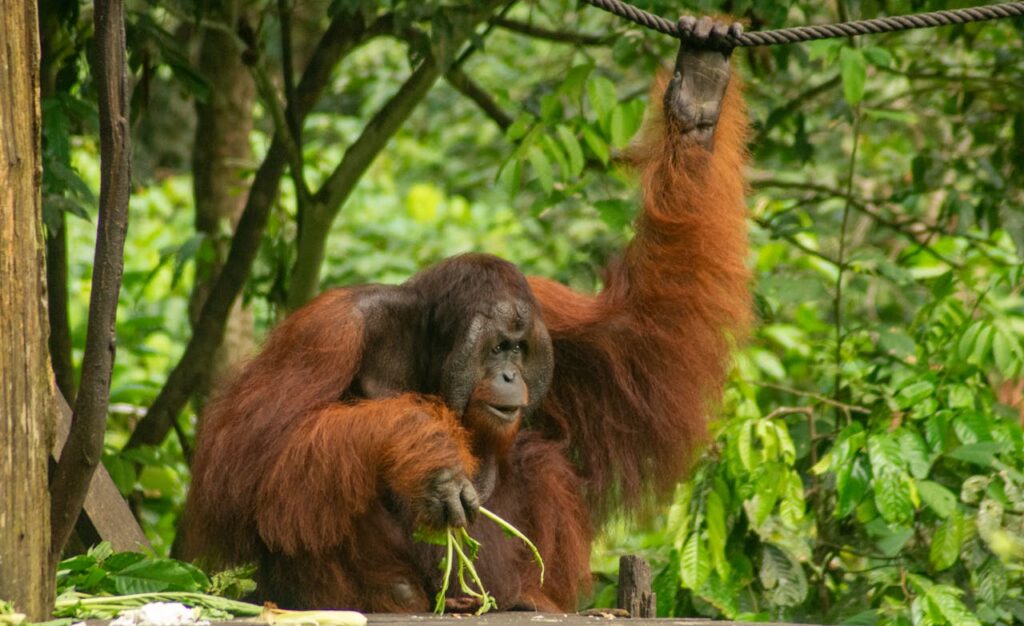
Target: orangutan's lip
point(504, 413)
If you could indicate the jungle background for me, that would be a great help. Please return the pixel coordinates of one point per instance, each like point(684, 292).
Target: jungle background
point(867, 466)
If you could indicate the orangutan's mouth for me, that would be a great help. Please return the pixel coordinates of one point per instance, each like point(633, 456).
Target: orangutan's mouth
point(506, 413)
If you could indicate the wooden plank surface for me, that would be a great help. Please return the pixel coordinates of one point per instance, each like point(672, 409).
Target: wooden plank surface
point(518, 618)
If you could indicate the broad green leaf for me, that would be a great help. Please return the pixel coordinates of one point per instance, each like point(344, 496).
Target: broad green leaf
point(614, 212)
point(893, 496)
point(518, 129)
point(965, 347)
point(512, 177)
point(946, 601)
point(914, 393)
point(878, 56)
point(745, 447)
point(553, 150)
point(852, 482)
point(782, 576)
point(978, 453)
point(694, 564)
point(541, 168)
point(601, 93)
point(574, 81)
point(853, 69)
point(618, 127)
point(960, 397)
point(945, 544)
point(717, 533)
point(939, 499)
point(159, 575)
point(885, 453)
point(596, 144)
point(916, 452)
point(572, 149)
point(982, 346)
point(991, 581)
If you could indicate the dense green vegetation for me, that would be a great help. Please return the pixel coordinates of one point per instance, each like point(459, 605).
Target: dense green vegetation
point(866, 467)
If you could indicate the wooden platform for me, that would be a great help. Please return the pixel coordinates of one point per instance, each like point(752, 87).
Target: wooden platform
point(539, 619)
point(512, 619)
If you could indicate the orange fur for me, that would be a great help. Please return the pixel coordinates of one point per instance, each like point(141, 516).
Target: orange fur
point(640, 366)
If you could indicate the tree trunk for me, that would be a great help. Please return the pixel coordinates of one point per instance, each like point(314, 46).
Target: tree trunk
point(26, 390)
point(220, 157)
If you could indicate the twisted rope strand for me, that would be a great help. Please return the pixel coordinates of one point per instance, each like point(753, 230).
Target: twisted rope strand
point(824, 31)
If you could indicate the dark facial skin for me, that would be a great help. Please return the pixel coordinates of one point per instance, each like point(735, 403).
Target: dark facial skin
point(512, 373)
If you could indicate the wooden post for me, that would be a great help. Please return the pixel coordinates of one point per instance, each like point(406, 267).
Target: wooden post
point(26, 391)
point(106, 516)
point(635, 593)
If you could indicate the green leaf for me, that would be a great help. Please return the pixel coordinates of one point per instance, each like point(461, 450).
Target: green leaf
point(915, 450)
point(946, 601)
point(159, 575)
point(852, 482)
point(885, 453)
point(782, 576)
point(978, 453)
point(601, 93)
point(893, 497)
point(572, 149)
point(717, 533)
point(853, 69)
point(965, 347)
point(541, 168)
point(946, 542)
point(914, 393)
point(552, 149)
point(596, 144)
point(983, 346)
point(614, 212)
point(518, 129)
point(879, 57)
point(512, 178)
point(432, 536)
point(694, 565)
point(572, 86)
point(939, 499)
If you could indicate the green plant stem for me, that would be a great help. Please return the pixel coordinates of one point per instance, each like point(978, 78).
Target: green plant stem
point(446, 565)
point(513, 531)
point(466, 564)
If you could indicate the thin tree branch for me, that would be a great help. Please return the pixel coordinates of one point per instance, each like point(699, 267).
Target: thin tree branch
point(84, 446)
point(796, 243)
point(793, 105)
point(849, 408)
point(329, 199)
point(559, 36)
point(298, 165)
point(901, 227)
point(472, 90)
point(344, 34)
point(283, 128)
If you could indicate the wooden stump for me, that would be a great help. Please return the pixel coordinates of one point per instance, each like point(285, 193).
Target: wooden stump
point(635, 593)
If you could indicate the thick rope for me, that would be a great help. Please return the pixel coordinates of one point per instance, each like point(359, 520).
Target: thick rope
point(825, 31)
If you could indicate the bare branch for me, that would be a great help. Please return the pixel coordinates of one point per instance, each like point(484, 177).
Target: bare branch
point(559, 36)
point(472, 90)
point(793, 241)
point(911, 229)
point(84, 446)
